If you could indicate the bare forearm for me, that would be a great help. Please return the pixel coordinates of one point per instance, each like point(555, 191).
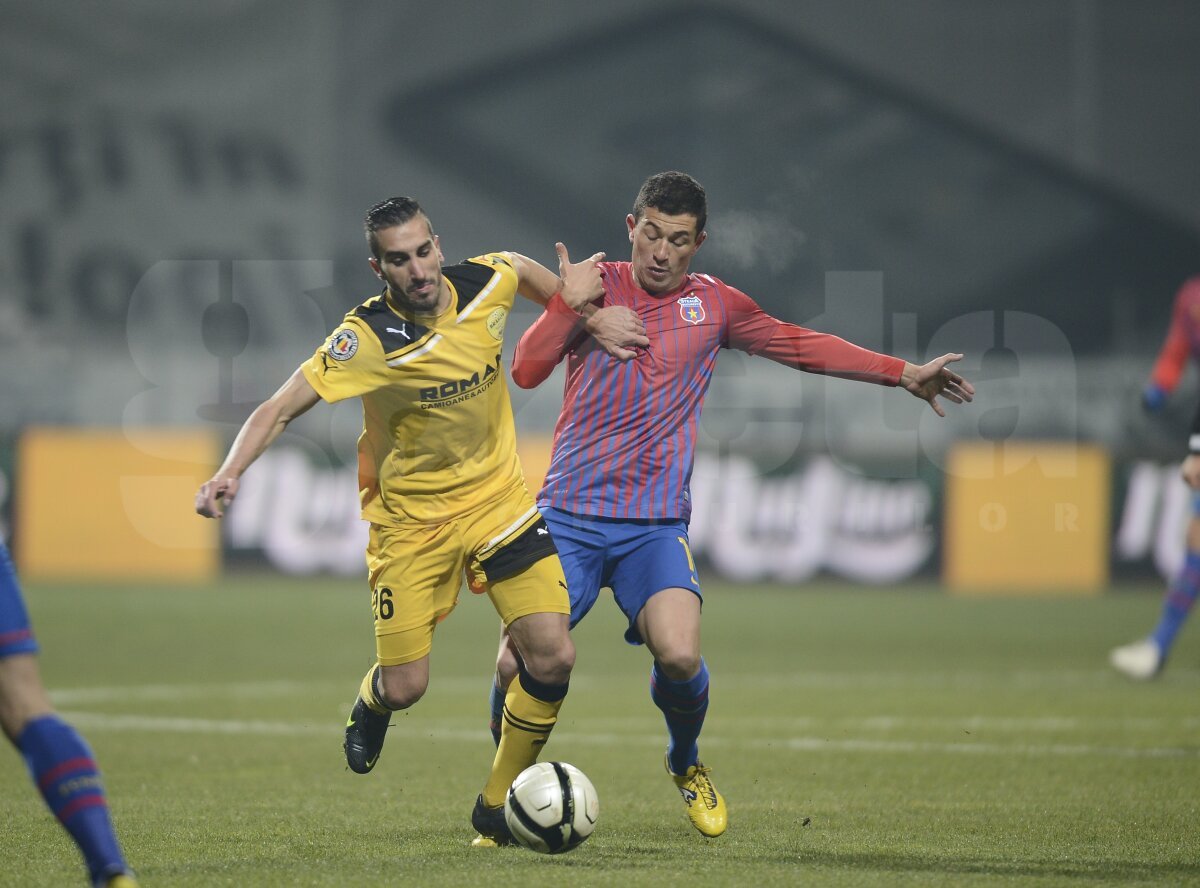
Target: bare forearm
point(267, 422)
point(259, 431)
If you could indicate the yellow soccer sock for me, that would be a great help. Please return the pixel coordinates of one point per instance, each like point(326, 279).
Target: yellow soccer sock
point(525, 727)
point(367, 692)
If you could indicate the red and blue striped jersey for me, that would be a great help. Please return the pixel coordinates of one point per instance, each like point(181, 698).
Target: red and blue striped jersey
point(626, 437)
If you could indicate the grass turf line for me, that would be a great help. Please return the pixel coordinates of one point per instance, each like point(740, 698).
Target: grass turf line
point(927, 741)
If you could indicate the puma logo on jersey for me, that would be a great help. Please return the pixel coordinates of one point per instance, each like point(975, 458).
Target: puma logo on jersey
point(403, 331)
point(543, 532)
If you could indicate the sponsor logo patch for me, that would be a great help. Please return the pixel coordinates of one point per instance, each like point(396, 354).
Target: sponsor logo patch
point(343, 345)
point(457, 390)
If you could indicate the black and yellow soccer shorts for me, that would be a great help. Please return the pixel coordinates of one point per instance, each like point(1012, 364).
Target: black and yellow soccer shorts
point(416, 571)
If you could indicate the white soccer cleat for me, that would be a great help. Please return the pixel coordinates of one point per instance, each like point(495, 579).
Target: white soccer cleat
point(1141, 660)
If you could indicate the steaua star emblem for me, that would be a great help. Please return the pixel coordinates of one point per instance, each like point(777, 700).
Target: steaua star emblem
point(691, 309)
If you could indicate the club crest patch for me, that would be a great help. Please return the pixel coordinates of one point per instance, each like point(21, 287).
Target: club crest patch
point(691, 309)
point(343, 344)
point(495, 323)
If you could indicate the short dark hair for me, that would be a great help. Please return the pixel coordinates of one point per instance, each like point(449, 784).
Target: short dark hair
point(673, 193)
point(388, 214)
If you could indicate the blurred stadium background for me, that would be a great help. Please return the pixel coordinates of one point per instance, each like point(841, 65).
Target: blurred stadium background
point(182, 194)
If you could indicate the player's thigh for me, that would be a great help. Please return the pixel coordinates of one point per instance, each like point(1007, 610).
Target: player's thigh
point(540, 588)
point(669, 624)
point(414, 575)
point(650, 559)
point(581, 548)
point(534, 606)
point(513, 558)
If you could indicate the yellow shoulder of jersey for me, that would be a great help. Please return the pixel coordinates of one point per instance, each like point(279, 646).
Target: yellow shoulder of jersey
point(501, 261)
point(349, 363)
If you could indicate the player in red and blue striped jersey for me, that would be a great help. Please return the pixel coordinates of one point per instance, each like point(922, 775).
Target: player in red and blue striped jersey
point(616, 495)
point(57, 756)
point(1145, 658)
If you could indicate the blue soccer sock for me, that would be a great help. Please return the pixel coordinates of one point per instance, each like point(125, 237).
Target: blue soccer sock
point(683, 704)
point(66, 775)
point(496, 703)
point(1177, 603)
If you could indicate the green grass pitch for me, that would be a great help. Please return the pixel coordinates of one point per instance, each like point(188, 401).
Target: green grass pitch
point(861, 737)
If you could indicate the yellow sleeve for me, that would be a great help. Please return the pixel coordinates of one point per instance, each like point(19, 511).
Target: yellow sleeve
point(348, 364)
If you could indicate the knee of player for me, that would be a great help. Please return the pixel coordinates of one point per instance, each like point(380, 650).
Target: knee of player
point(402, 698)
point(12, 721)
point(566, 657)
point(561, 661)
point(679, 663)
point(22, 695)
point(402, 693)
point(553, 665)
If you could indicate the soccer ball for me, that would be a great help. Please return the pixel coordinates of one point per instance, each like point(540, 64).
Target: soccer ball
point(551, 807)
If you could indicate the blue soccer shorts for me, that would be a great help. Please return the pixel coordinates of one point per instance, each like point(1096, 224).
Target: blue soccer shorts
point(633, 558)
point(16, 635)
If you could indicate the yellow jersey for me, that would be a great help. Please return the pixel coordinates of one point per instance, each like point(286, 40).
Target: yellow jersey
point(438, 437)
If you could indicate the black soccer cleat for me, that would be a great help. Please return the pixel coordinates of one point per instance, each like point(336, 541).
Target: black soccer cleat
point(365, 730)
point(490, 823)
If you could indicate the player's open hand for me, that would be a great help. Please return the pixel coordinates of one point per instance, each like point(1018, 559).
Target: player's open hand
point(935, 378)
point(619, 331)
point(581, 281)
point(215, 495)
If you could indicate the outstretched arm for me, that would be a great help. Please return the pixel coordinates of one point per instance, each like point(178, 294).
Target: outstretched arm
point(930, 380)
point(753, 330)
point(1168, 368)
point(1172, 357)
point(262, 427)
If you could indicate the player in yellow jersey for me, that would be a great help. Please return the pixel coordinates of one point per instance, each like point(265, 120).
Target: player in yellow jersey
point(438, 473)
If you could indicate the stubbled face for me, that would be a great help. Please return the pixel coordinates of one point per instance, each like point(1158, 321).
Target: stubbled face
point(410, 263)
point(663, 247)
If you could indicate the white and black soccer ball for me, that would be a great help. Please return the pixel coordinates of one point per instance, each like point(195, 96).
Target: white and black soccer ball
point(551, 807)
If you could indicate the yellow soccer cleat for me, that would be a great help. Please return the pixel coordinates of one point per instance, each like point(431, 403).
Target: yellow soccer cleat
point(122, 880)
point(705, 806)
point(482, 841)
